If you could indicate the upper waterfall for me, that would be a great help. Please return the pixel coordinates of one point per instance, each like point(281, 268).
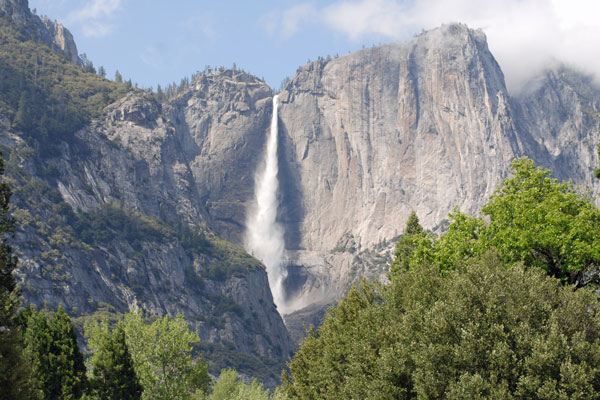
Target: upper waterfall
point(264, 235)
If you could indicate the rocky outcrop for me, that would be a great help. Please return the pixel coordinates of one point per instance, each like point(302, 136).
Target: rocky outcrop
point(162, 169)
point(53, 34)
point(558, 115)
point(425, 125)
point(221, 123)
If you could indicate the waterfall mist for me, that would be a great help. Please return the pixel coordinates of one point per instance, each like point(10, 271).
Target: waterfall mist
point(264, 236)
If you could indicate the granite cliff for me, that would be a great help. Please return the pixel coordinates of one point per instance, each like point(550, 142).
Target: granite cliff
point(559, 116)
point(41, 29)
point(119, 219)
point(425, 125)
point(117, 214)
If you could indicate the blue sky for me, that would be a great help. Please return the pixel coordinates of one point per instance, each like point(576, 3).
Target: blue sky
point(152, 43)
point(155, 42)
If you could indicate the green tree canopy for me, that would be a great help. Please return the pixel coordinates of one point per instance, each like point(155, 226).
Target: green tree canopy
point(162, 357)
point(533, 219)
point(230, 387)
point(113, 375)
point(57, 363)
point(407, 244)
point(482, 330)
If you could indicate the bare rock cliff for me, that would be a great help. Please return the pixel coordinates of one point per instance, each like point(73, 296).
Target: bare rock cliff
point(558, 115)
point(425, 125)
point(221, 123)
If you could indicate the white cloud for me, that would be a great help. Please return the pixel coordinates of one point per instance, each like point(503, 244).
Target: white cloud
point(292, 18)
point(358, 18)
point(289, 21)
point(524, 35)
point(95, 9)
point(95, 17)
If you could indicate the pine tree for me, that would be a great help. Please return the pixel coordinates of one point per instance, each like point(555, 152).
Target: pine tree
point(37, 340)
point(407, 244)
point(113, 375)
point(160, 95)
point(22, 120)
point(58, 368)
point(66, 359)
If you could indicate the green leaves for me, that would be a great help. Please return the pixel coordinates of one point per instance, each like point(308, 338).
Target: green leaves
point(162, 357)
point(407, 244)
point(230, 387)
point(481, 330)
point(52, 350)
point(112, 375)
point(532, 219)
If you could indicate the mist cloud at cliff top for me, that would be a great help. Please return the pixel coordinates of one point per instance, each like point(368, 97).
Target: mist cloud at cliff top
point(525, 36)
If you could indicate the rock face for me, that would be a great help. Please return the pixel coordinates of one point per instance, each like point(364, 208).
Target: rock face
point(559, 118)
point(159, 169)
point(43, 30)
point(368, 137)
point(221, 124)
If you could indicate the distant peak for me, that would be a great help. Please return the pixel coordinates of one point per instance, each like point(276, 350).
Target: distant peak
point(16, 10)
point(43, 30)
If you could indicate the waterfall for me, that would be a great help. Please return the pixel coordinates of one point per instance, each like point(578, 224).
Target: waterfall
point(264, 236)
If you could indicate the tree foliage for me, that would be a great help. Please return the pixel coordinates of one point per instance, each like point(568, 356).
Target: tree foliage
point(482, 330)
point(407, 244)
point(53, 352)
point(162, 357)
point(112, 375)
point(46, 96)
point(533, 219)
point(230, 387)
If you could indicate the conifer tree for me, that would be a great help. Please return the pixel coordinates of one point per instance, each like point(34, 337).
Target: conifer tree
point(67, 360)
point(407, 244)
point(113, 375)
point(22, 120)
point(37, 340)
point(57, 363)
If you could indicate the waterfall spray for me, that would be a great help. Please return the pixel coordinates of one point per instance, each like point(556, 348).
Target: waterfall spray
point(264, 236)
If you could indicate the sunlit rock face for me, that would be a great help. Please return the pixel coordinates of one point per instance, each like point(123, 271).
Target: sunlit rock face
point(425, 125)
point(55, 35)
